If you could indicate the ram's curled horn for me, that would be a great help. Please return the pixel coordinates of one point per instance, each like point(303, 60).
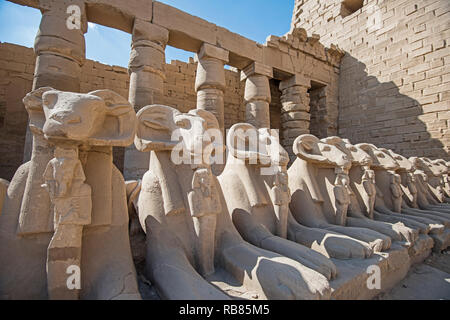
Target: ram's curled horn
point(34, 106)
point(239, 141)
point(155, 124)
point(303, 147)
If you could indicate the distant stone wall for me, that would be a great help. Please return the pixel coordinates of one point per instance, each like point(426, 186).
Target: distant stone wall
point(16, 79)
point(395, 78)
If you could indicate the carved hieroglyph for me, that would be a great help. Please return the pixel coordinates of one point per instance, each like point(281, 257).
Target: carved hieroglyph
point(191, 239)
point(67, 206)
point(258, 195)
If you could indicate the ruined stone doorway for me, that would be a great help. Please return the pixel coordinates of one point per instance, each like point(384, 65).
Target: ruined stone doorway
point(275, 105)
point(318, 109)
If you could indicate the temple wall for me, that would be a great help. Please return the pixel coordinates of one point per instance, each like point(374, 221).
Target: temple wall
point(17, 65)
point(395, 76)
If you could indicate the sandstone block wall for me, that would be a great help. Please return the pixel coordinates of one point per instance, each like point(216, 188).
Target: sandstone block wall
point(395, 77)
point(16, 76)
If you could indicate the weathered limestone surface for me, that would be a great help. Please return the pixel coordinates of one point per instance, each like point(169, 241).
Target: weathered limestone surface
point(67, 207)
point(188, 198)
point(394, 78)
point(257, 94)
point(318, 204)
point(17, 66)
point(210, 81)
point(259, 230)
point(258, 196)
point(147, 75)
point(295, 116)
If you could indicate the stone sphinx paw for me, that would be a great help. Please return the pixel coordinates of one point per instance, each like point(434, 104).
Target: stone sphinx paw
point(408, 234)
point(285, 279)
point(276, 277)
point(343, 247)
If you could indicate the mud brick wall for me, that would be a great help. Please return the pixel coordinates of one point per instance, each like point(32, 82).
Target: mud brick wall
point(395, 77)
point(16, 79)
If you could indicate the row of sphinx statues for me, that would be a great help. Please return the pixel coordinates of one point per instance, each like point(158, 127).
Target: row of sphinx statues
point(276, 235)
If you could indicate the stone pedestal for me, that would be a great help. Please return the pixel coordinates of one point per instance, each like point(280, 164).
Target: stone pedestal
point(146, 69)
point(257, 94)
point(295, 116)
point(210, 80)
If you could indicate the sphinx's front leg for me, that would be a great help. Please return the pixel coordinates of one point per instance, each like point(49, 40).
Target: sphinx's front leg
point(397, 231)
point(439, 207)
point(439, 217)
point(258, 235)
point(169, 269)
point(377, 241)
point(273, 276)
point(329, 243)
point(385, 215)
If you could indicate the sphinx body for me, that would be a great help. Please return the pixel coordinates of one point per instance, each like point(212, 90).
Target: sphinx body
point(67, 206)
point(318, 180)
point(442, 170)
point(390, 203)
point(429, 185)
point(191, 242)
point(256, 185)
point(363, 194)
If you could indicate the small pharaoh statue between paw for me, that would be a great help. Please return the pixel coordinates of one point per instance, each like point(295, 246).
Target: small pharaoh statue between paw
point(342, 194)
point(396, 191)
point(204, 206)
point(71, 203)
point(440, 189)
point(281, 196)
point(411, 185)
point(368, 182)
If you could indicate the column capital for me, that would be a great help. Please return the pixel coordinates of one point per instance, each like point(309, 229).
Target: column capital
point(295, 80)
point(145, 31)
point(257, 68)
point(208, 51)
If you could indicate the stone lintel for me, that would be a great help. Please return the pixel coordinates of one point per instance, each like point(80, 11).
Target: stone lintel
point(146, 31)
point(296, 80)
point(209, 51)
point(257, 68)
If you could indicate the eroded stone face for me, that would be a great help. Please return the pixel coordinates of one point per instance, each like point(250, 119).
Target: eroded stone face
point(191, 219)
point(72, 167)
point(320, 152)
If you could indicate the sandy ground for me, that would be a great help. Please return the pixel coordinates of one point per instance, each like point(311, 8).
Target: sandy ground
point(427, 281)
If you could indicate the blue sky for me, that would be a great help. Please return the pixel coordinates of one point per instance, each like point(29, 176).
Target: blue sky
point(254, 19)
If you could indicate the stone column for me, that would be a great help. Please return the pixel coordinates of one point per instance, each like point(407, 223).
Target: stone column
point(210, 80)
point(60, 46)
point(146, 69)
point(257, 94)
point(60, 50)
point(295, 116)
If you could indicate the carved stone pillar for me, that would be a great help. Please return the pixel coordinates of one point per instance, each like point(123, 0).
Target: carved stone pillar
point(60, 50)
point(210, 80)
point(295, 116)
point(146, 69)
point(60, 46)
point(257, 94)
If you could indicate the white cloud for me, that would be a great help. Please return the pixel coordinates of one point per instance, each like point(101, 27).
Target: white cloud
point(92, 25)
